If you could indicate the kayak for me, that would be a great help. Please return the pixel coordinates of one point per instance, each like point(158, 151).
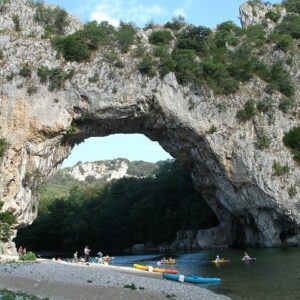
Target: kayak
point(157, 270)
point(191, 278)
point(249, 259)
point(140, 267)
point(221, 261)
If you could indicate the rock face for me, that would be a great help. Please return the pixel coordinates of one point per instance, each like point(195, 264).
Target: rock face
point(253, 206)
point(108, 170)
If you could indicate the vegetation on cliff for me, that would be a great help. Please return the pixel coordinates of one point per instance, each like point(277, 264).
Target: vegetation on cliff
point(7, 220)
point(221, 59)
point(119, 214)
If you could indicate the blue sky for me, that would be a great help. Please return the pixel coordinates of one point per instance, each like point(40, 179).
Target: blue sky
point(199, 12)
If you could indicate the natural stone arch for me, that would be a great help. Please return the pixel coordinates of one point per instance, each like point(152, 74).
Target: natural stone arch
point(235, 178)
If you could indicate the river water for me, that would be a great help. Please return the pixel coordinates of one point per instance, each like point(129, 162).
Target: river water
point(274, 275)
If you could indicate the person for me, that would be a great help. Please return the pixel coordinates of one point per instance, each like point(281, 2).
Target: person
point(20, 251)
point(100, 257)
point(24, 251)
point(75, 257)
point(246, 256)
point(87, 251)
point(217, 258)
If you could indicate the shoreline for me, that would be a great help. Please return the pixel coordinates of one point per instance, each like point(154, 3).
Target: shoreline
point(64, 280)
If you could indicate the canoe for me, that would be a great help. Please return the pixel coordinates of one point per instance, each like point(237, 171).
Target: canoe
point(221, 261)
point(191, 278)
point(157, 270)
point(140, 267)
point(168, 271)
point(249, 259)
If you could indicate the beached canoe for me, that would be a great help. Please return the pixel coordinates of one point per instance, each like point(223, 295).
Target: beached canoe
point(157, 270)
point(191, 278)
point(221, 261)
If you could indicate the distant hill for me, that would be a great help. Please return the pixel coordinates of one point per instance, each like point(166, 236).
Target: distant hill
point(108, 170)
point(93, 174)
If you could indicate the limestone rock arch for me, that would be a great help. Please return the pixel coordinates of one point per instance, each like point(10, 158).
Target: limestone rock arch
point(236, 179)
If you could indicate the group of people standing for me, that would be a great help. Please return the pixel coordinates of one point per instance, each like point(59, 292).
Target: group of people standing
point(87, 257)
point(22, 251)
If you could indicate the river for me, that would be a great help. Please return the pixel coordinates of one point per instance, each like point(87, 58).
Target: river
point(274, 275)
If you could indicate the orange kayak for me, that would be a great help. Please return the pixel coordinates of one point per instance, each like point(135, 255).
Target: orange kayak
point(168, 271)
point(158, 270)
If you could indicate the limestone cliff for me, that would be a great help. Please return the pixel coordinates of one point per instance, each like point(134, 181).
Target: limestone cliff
point(108, 170)
point(42, 124)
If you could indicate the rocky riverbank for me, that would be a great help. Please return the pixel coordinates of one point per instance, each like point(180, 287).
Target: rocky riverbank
point(69, 281)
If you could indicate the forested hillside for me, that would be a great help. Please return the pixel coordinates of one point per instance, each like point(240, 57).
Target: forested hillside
point(118, 214)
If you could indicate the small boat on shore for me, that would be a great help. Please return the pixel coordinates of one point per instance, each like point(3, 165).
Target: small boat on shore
point(191, 278)
point(157, 270)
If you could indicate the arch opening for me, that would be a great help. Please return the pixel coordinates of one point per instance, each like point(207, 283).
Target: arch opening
point(114, 203)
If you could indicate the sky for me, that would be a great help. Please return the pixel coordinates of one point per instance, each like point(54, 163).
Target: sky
point(208, 13)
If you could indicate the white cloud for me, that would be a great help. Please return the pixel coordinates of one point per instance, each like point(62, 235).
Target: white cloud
point(179, 12)
point(182, 10)
point(130, 10)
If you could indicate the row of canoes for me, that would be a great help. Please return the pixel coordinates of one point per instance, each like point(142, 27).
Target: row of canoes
point(172, 274)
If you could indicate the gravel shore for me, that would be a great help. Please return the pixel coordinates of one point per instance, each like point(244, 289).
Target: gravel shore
point(79, 281)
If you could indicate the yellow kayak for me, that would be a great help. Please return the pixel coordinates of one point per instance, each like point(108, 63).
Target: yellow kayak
point(221, 261)
point(157, 270)
point(140, 267)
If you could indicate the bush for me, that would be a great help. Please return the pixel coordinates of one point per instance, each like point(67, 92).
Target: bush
point(193, 37)
point(54, 20)
point(147, 66)
point(286, 104)
point(290, 25)
point(279, 170)
point(43, 74)
point(7, 219)
point(16, 21)
point(25, 71)
point(281, 80)
point(283, 42)
point(166, 65)
point(72, 47)
point(248, 112)
point(32, 89)
point(160, 37)
point(256, 35)
point(291, 139)
point(126, 36)
point(187, 69)
point(292, 191)
point(57, 78)
point(273, 15)
point(29, 256)
point(3, 146)
point(292, 6)
point(3, 4)
point(176, 23)
point(263, 141)
point(95, 35)
point(265, 105)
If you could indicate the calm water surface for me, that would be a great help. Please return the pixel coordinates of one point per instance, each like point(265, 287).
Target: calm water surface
point(274, 275)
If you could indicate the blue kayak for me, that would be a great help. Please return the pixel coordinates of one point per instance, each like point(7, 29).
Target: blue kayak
point(191, 278)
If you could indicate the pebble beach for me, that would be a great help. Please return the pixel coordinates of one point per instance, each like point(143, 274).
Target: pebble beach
point(62, 280)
